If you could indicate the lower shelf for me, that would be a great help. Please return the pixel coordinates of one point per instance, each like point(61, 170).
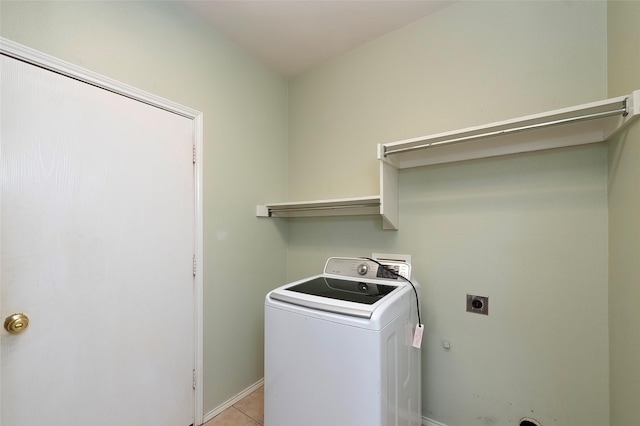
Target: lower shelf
point(357, 206)
point(335, 207)
point(385, 204)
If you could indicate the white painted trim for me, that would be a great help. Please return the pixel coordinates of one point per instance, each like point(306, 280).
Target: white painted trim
point(231, 401)
point(42, 60)
point(428, 422)
point(198, 134)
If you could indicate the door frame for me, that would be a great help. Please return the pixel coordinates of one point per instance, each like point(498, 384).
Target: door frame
point(26, 54)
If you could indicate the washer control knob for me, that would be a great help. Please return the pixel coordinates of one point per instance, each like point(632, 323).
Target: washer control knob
point(363, 268)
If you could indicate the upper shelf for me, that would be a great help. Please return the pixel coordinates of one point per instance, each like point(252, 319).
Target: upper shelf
point(588, 123)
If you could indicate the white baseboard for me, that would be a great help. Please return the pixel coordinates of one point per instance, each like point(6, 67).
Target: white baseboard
point(228, 403)
point(428, 422)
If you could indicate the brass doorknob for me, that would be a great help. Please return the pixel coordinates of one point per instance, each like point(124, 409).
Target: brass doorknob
point(16, 323)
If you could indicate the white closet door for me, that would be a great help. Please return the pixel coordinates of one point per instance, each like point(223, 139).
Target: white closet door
point(97, 241)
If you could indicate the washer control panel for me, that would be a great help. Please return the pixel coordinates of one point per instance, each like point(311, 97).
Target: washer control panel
point(365, 268)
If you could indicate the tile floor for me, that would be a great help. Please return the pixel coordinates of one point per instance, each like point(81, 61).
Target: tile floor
point(249, 411)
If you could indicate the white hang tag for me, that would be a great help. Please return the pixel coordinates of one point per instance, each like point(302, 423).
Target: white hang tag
point(417, 336)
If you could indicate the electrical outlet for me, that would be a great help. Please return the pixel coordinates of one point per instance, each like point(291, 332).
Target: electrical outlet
point(478, 304)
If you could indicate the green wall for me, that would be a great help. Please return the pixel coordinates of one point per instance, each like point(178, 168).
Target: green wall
point(529, 231)
point(624, 224)
point(551, 237)
point(163, 49)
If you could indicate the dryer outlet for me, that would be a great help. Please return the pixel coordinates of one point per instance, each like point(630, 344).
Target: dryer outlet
point(478, 304)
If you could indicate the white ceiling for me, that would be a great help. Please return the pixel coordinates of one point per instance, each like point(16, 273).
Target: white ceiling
point(293, 35)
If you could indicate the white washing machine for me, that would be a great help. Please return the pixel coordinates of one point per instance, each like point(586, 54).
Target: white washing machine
point(338, 347)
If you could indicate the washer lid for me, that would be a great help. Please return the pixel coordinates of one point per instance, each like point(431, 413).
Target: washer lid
point(350, 291)
point(347, 297)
